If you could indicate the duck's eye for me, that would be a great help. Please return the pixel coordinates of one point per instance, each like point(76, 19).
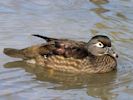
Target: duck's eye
point(99, 44)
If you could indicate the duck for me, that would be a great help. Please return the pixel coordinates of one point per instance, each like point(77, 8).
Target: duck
point(70, 56)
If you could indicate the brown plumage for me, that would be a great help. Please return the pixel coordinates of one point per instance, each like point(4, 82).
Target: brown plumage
point(65, 55)
point(65, 47)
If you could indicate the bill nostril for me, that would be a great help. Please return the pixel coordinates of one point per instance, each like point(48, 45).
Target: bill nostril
point(117, 56)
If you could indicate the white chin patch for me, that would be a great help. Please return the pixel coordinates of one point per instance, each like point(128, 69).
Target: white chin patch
point(31, 61)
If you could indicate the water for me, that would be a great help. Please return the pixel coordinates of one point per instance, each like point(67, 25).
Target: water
point(73, 19)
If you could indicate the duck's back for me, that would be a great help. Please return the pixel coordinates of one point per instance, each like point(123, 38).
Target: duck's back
point(61, 47)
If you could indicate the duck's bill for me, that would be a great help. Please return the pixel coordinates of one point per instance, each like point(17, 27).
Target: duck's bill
point(111, 52)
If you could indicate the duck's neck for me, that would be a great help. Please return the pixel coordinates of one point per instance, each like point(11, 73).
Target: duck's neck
point(104, 58)
point(104, 63)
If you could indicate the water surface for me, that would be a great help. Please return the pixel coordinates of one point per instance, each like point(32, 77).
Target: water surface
point(72, 19)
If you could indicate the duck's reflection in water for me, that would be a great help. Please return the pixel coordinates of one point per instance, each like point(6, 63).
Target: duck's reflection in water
point(97, 85)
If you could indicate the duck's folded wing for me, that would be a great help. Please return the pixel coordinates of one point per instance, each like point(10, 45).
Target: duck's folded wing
point(65, 47)
point(62, 47)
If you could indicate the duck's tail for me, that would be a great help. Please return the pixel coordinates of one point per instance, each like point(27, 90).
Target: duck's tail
point(48, 39)
point(16, 53)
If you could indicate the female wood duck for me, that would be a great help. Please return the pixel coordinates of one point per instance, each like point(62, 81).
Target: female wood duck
point(96, 56)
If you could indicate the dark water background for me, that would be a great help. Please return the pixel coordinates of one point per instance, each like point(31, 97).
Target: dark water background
point(73, 19)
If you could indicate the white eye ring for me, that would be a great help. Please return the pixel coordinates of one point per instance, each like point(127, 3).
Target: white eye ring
point(99, 44)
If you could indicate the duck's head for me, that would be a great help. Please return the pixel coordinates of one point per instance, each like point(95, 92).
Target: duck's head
point(100, 45)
